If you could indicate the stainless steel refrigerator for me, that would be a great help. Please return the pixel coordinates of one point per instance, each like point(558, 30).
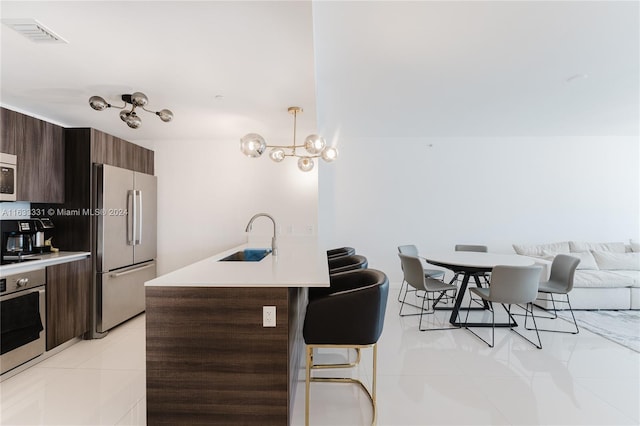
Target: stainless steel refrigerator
point(125, 225)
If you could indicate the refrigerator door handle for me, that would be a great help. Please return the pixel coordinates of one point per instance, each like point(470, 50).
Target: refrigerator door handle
point(131, 271)
point(131, 217)
point(139, 213)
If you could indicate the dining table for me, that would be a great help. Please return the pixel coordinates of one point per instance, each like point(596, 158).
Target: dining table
point(473, 264)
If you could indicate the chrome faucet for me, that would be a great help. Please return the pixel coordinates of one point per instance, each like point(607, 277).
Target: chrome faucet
point(274, 242)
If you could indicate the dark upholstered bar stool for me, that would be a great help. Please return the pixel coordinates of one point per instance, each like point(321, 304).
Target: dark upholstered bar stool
point(350, 315)
point(338, 266)
point(342, 251)
point(347, 263)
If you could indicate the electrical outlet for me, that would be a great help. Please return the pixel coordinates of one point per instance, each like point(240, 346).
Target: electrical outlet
point(268, 316)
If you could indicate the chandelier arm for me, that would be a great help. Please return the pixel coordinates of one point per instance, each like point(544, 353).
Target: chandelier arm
point(301, 156)
point(148, 110)
point(285, 146)
point(116, 106)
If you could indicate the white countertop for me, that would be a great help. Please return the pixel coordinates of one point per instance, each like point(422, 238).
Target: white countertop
point(45, 259)
point(301, 262)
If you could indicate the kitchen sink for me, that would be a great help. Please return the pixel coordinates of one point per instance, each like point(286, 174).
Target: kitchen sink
point(247, 255)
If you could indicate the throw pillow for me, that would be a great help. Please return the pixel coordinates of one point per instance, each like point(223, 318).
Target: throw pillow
point(578, 247)
point(617, 261)
point(548, 255)
point(635, 246)
point(539, 249)
point(587, 261)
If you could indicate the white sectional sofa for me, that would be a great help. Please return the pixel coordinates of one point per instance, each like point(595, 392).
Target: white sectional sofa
point(607, 277)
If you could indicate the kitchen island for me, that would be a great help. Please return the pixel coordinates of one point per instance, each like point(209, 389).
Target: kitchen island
point(210, 359)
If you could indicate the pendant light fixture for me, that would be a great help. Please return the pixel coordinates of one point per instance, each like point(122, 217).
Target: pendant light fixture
point(253, 145)
point(137, 99)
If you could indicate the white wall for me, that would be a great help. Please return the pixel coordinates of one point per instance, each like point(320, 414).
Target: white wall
point(208, 191)
point(436, 193)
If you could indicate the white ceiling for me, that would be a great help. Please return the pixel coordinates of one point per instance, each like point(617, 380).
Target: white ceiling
point(257, 55)
point(380, 68)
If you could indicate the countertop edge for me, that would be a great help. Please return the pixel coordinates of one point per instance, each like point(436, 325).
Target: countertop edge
point(50, 260)
point(179, 278)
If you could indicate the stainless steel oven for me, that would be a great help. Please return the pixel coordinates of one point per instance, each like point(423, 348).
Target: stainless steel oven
point(23, 320)
point(8, 174)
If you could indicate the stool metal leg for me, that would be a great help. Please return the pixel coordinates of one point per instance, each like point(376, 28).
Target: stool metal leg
point(310, 365)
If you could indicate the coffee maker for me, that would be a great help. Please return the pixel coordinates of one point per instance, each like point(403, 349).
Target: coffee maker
point(23, 238)
point(38, 239)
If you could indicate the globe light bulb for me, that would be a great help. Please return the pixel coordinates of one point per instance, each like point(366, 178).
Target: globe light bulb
point(277, 154)
point(139, 99)
point(133, 121)
point(98, 103)
point(252, 145)
point(124, 115)
point(329, 154)
point(314, 144)
point(305, 164)
point(165, 115)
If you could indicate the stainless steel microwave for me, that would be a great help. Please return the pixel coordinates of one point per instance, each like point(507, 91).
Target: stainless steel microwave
point(8, 174)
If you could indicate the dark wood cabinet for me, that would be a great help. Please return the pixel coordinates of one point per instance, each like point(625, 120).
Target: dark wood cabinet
point(39, 147)
point(12, 124)
point(107, 149)
point(83, 148)
point(68, 286)
point(211, 362)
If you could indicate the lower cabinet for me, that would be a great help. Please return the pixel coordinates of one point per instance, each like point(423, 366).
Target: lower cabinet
point(68, 287)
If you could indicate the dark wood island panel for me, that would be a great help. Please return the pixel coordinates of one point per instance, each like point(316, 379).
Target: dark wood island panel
point(211, 362)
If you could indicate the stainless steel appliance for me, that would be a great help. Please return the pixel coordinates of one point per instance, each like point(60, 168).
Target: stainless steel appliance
point(23, 320)
point(8, 175)
point(38, 239)
point(24, 238)
point(126, 244)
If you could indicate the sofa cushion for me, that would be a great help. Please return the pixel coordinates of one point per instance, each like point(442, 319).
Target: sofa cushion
point(635, 246)
point(587, 261)
point(633, 275)
point(617, 261)
point(577, 247)
point(603, 279)
point(539, 250)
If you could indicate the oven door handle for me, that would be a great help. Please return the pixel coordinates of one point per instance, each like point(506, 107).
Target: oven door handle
point(20, 293)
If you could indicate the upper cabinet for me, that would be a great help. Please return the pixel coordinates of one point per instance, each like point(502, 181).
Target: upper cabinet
point(12, 129)
point(39, 147)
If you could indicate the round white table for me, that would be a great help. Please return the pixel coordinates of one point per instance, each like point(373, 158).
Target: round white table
point(469, 264)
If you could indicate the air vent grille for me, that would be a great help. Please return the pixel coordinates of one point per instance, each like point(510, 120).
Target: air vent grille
point(34, 30)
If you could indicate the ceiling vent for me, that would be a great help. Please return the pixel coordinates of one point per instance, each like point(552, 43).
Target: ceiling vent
point(34, 30)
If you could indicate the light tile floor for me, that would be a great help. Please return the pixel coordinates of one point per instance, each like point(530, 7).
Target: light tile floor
point(424, 378)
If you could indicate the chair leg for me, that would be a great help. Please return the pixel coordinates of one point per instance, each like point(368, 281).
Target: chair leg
point(493, 326)
point(373, 384)
point(307, 384)
point(432, 312)
point(555, 312)
point(404, 302)
point(421, 313)
point(424, 298)
point(529, 306)
point(573, 316)
point(401, 287)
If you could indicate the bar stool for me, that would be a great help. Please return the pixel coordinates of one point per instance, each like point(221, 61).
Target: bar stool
point(347, 263)
point(342, 251)
point(350, 316)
